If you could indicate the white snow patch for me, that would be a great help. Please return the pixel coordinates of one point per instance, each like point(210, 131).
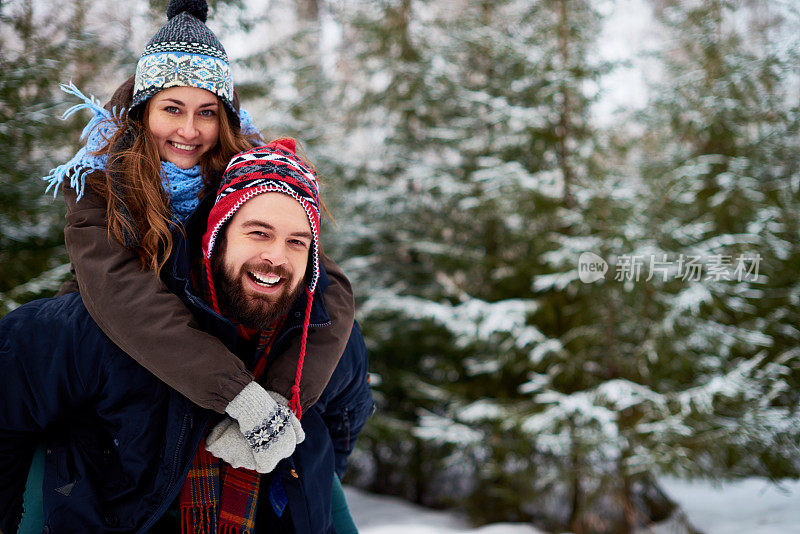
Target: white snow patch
point(743, 507)
point(543, 349)
point(481, 410)
point(375, 514)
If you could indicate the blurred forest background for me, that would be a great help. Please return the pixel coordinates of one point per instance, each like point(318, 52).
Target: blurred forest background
point(464, 151)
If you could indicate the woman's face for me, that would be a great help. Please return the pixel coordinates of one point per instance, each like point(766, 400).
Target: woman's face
point(185, 124)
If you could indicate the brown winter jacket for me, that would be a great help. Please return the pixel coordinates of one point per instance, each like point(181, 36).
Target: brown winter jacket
point(141, 316)
point(137, 312)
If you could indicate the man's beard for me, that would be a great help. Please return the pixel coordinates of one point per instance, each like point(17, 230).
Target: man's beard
point(252, 310)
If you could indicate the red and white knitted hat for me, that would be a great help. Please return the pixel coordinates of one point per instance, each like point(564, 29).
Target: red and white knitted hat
point(273, 168)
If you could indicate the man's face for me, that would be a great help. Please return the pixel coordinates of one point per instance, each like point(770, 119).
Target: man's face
point(260, 269)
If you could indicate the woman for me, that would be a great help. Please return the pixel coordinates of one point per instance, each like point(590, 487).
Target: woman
point(173, 127)
point(163, 139)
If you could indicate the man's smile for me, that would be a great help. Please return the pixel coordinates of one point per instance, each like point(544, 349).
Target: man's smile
point(264, 279)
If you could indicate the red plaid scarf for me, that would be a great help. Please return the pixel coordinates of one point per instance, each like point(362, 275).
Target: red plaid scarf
point(216, 498)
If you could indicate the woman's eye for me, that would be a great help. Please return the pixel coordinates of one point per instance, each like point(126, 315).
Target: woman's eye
point(208, 113)
point(171, 109)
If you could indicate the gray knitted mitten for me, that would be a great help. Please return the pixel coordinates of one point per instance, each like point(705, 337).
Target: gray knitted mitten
point(228, 444)
point(265, 431)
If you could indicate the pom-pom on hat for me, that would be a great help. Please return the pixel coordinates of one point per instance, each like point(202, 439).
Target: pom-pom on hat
point(273, 168)
point(184, 53)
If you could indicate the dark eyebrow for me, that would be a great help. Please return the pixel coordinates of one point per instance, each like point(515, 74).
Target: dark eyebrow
point(180, 103)
point(261, 224)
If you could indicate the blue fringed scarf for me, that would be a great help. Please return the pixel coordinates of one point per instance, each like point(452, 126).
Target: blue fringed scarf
point(182, 185)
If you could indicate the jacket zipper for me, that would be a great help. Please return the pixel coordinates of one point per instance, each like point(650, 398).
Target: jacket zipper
point(187, 418)
point(295, 327)
point(186, 422)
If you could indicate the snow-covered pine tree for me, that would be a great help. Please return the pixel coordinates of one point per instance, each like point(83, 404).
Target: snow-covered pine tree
point(567, 191)
point(720, 169)
point(530, 173)
point(392, 208)
point(662, 371)
point(280, 75)
point(41, 48)
point(472, 171)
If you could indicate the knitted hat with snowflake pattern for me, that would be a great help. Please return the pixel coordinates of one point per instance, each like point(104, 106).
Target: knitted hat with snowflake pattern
point(184, 53)
point(273, 168)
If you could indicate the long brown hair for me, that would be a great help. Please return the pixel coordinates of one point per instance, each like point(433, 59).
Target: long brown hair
point(137, 207)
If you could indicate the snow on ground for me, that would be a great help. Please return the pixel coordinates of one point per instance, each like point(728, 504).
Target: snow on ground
point(378, 514)
point(751, 506)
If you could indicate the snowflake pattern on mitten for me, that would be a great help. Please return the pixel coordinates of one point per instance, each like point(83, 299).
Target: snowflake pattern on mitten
point(270, 428)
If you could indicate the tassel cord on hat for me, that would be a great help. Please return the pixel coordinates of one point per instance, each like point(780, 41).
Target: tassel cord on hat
point(294, 403)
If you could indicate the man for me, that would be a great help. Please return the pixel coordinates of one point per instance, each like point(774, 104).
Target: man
point(121, 446)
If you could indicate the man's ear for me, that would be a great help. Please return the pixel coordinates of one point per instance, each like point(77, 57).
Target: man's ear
point(222, 242)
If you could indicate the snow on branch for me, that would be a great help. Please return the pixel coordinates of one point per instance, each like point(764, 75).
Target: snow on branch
point(472, 320)
point(433, 427)
point(47, 280)
point(737, 382)
point(482, 410)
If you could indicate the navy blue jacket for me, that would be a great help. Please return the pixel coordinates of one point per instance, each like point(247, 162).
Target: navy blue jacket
point(120, 442)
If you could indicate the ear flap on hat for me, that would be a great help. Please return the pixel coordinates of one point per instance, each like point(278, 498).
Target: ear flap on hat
point(286, 143)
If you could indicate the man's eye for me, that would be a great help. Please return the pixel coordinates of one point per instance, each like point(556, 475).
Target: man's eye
point(298, 242)
point(257, 233)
